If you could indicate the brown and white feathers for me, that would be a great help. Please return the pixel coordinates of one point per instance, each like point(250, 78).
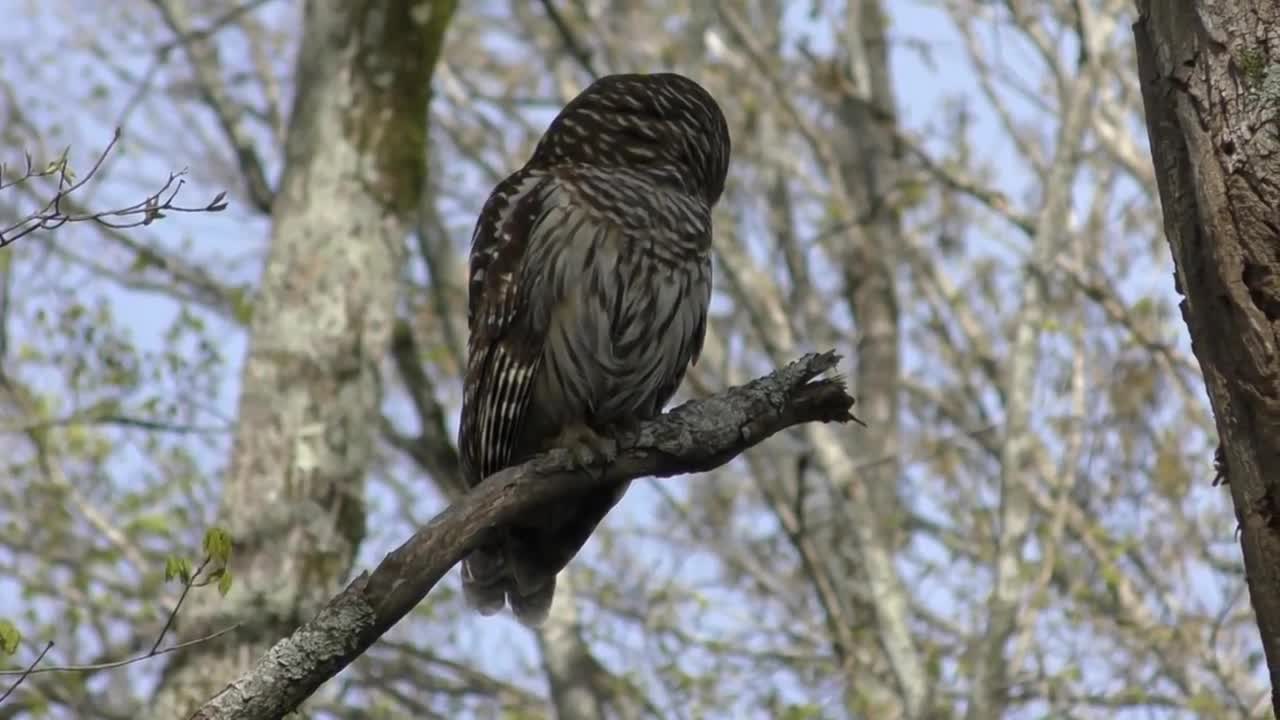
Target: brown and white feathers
point(590, 281)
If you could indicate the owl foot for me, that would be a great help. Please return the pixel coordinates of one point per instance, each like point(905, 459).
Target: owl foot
point(586, 446)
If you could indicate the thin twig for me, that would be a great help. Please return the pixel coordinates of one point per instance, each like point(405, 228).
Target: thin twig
point(91, 416)
point(186, 588)
point(113, 664)
point(31, 669)
point(575, 48)
point(52, 215)
point(193, 581)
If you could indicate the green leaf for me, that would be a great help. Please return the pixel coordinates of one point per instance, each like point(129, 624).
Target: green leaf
point(9, 637)
point(224, 584)
point(802, 712)
point(142, 261)
point(242, 305)
point(1205, 705)
point(29, 353)
point(217, 545)
point(177, 567)
point(153, 524)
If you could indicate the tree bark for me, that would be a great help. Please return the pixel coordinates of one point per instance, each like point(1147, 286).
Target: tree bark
point(695, 437)
point(1210, 74)
point(293, 494)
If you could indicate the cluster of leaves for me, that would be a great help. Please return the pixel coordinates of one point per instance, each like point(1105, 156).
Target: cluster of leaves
point(212, 569)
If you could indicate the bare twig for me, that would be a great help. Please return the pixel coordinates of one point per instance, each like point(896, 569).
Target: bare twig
point(570, 38)
point(53, 214)
point(208, 75)
point(111, 665)
point(103, 415)
point(27, 673)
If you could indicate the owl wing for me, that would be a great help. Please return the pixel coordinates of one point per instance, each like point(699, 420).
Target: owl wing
point(502, 356)
point(518, 274)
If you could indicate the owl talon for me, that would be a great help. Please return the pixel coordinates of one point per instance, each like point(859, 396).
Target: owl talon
point(587, 447)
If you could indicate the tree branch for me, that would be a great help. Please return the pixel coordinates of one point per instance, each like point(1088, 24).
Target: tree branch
point(695, 437)
point(203, 54)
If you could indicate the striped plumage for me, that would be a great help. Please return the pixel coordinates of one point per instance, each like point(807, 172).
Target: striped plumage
point(590, 280)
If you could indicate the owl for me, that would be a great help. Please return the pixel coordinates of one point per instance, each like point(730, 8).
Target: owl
point(590, 277)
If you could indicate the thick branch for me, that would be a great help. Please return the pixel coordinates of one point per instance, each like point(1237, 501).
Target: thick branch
point(695, 437)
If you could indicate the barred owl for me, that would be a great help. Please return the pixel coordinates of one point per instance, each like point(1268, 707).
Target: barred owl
point(590, 276)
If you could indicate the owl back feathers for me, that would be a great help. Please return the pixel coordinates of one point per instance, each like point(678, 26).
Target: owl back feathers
point(590, 278)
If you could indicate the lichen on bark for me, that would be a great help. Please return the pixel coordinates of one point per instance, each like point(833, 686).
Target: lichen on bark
point(397, 48)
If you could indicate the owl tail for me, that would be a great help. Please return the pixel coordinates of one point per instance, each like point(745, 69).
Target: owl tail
point(489, 581)
point(531, 607)
point(484, 580)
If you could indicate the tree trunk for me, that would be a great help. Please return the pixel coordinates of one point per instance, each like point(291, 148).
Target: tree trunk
point(1210, 74)
point(309, 405)
point(869, 164)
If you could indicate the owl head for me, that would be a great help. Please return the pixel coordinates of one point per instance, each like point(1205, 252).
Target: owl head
point(660, 123)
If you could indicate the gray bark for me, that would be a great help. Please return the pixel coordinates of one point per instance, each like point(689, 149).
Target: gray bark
point(696, 437)
point(293, 494)
point(1210, 75)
